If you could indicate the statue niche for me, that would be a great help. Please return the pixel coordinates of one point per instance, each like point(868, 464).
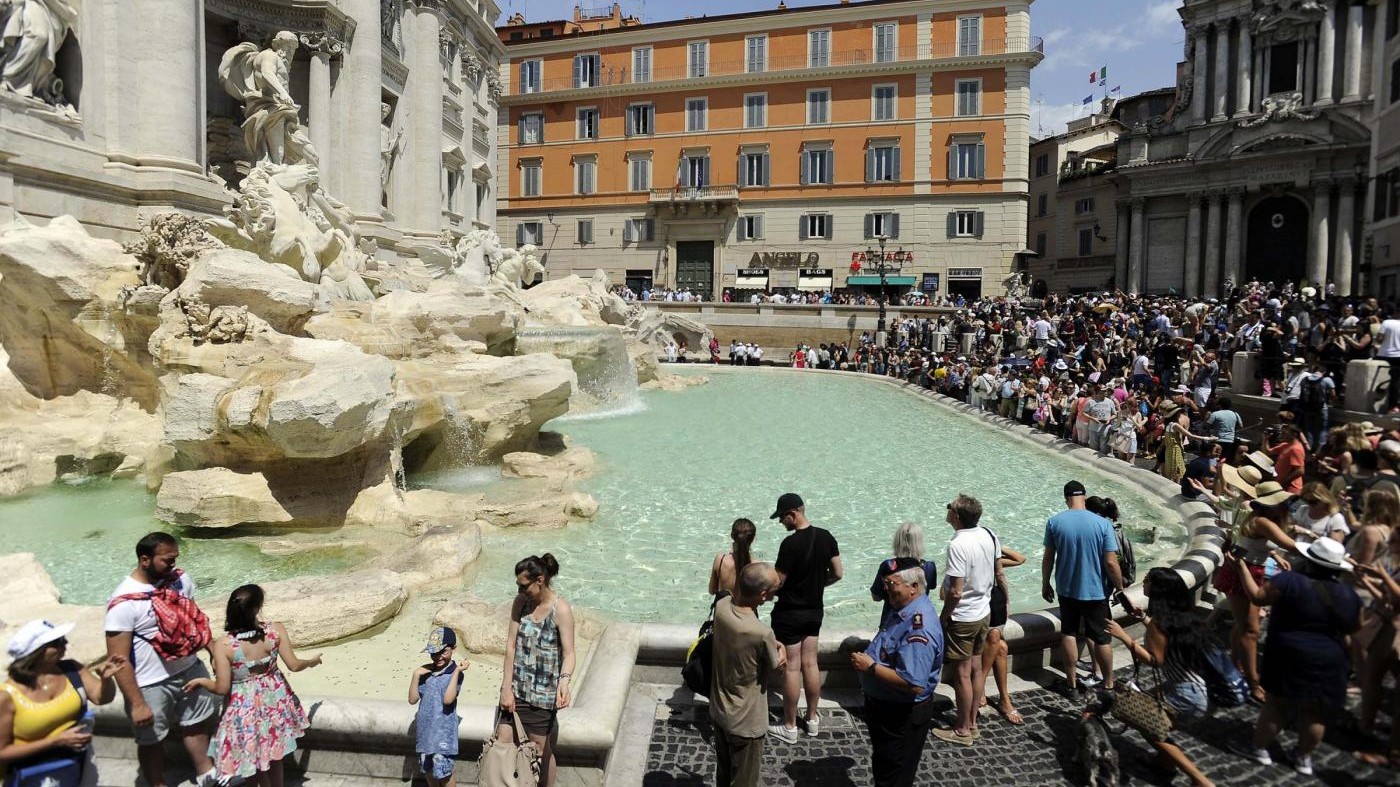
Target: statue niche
point(32, 33)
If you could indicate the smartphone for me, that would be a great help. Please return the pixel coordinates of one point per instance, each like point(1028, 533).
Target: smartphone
point(1238, 551)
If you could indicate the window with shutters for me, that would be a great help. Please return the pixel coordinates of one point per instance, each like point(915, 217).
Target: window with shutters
point(882, 163)
point(1042, 166)
point(695, 112)
point(585, 174)
point(818, 48)
point(1086, 242)
point(641, 64)
point(695, 170)
point(529, 232)
point(638, 230)
point(588, 70)
point(753, 169)
point(641, 120)
point(1042, 203)
point(967, 160)
point(1041, 243)
point(588, 123)
point(886, 42)
point(819, 106)
point(756, 54)
point(965, 224)
point(882, 225)
point(585, 231)
point(699, 58)
point(531, 173)
point(969, 101)
point(969, 36)
point(750, 227)
point(1084, 205)
point(639, 172)
point(1395, 81)
point(532, 128)
point(531, 76)
point(817, 166)
point(755, 110)
point(815, 225)
point(882, 99)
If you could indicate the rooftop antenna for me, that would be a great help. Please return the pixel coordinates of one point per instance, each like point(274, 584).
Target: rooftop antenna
point(1039, 115)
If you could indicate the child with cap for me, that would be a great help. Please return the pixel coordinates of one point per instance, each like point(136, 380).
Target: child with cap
point(436, 684)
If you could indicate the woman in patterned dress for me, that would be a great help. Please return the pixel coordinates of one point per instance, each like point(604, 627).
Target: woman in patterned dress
point(539, 661)
point(263, 718)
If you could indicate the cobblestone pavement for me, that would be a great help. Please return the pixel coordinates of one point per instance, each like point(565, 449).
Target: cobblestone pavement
point(1040, 752)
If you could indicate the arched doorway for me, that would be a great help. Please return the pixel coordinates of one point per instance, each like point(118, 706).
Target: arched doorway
point(1277, 245)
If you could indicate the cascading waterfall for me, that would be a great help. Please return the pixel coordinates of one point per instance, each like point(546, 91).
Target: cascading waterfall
point(459, 437)
point(607, 377)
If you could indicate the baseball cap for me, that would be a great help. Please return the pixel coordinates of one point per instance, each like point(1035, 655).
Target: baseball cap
point(1074, 488)
point(34, 635)
point(787, 502)
point(439, 638)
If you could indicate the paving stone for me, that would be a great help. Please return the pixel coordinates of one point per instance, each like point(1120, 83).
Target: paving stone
point(1039, 753)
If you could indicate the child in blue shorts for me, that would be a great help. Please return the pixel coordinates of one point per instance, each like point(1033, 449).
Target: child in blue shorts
point(436, 684)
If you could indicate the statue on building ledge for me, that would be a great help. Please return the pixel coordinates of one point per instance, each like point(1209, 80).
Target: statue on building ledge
point(281, 213)
point(31, 33)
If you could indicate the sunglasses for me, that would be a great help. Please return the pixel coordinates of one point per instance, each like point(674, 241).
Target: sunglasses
point(523, 586)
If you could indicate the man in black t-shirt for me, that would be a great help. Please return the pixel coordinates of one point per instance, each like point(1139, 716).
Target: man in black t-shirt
point(808, 561)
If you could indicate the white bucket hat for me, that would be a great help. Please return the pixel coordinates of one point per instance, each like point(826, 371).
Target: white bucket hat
point(1328, 553)
point(35, 635)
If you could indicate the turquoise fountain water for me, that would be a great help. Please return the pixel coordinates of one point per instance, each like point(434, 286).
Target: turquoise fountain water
point(865, 456)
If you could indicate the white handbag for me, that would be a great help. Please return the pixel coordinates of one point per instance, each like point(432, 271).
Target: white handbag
point(506, 764)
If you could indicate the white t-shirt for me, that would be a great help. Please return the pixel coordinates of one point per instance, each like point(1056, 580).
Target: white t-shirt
point(972, 555)
point(1140, 365)
point(1390, 339)
point(137, 617)
point(1322, 527)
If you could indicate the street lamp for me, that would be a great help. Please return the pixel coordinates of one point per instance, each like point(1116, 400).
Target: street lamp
point(881, 268)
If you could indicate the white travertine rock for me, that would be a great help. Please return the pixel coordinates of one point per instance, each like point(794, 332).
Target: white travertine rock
point(574, 301)
point(409, 324)
point(546, 511)
point(325, 609)
point(86, 434)
point(654, 327)
point(232, 277)
point(62, 322)
point(481, 626)
point(440, 553)
point(27, 592)
point(218, 497)
point(674, 382)
point(568, 465)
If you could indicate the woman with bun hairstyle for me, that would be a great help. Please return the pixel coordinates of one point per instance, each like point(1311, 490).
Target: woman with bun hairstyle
point(539, 663)
point(725, 571)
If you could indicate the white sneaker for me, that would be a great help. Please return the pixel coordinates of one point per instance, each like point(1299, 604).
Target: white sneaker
point(782, 733)
point(1262, 757)
point(814, 727)
point(1302, 763)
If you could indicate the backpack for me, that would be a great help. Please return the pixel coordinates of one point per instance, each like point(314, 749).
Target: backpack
point(1127, 562)
point(1311, 394)
point(699, 670)
point(182, 627)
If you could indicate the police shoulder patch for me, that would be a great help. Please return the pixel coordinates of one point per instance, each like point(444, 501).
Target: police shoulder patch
point(917, 638)
point(918, 620)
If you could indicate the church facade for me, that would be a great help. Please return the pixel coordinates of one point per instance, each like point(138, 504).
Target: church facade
point(1260, 168)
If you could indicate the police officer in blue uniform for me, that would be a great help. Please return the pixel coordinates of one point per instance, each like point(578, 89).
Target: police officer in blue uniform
point(898, 674)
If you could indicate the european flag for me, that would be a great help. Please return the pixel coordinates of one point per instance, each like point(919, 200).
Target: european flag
point(1089, 98)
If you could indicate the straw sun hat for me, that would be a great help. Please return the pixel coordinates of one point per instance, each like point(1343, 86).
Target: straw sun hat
point(1270, 493)
point(1244, 478)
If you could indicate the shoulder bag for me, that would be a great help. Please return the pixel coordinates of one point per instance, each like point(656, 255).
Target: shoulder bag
point(698, 672)
point(504, 764)
point(1146, 712)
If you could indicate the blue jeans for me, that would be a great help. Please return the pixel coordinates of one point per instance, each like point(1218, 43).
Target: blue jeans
point(1188, 698)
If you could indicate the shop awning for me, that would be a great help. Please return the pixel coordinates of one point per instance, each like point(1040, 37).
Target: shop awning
point(874, 281)
point(751, 282)
point(813, 282)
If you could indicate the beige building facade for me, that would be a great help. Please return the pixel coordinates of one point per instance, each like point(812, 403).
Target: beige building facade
point(1382, 243)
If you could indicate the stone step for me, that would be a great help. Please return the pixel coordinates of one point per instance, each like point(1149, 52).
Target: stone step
point(123, 772)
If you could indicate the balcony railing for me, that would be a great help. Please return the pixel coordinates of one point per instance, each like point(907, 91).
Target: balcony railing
point(621, 75)
point(695, 194)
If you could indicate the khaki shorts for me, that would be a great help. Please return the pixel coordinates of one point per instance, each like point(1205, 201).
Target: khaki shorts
point(965, 640)
point(172, 707)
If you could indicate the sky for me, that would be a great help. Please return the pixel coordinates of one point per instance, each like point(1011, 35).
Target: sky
point(1139, 41)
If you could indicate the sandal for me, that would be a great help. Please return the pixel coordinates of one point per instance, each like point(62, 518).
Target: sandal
point(1012, 716)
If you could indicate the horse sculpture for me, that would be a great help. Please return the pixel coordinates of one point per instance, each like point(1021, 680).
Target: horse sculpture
point(518, 267)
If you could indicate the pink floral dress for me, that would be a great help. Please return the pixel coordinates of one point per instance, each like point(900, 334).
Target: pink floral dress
point(263, 718)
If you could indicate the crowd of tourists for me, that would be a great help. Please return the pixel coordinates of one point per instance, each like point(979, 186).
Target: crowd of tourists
point(240, 721)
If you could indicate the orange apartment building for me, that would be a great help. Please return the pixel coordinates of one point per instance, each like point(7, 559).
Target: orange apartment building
point(773, 149)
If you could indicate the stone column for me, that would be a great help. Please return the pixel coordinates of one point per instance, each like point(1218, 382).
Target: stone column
point(318, 112)
point(1137, 246)
point(1351, 77)
point(1212, 273)
point(1307, 69)
point(1198, 76)
point(1234, 237)
point(154, 91)
point(1346, 217)
point(1244, 60)
point(1120, 266)
point(1317, 255)
point(1259, 79)
point(1327, 45)
point(1193, 246)
point(1220, 91)
point(422, 159)
point(356, 158)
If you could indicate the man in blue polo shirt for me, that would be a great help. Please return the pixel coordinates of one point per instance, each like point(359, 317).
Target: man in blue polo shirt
point(1081, 553)
point(898, 674)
